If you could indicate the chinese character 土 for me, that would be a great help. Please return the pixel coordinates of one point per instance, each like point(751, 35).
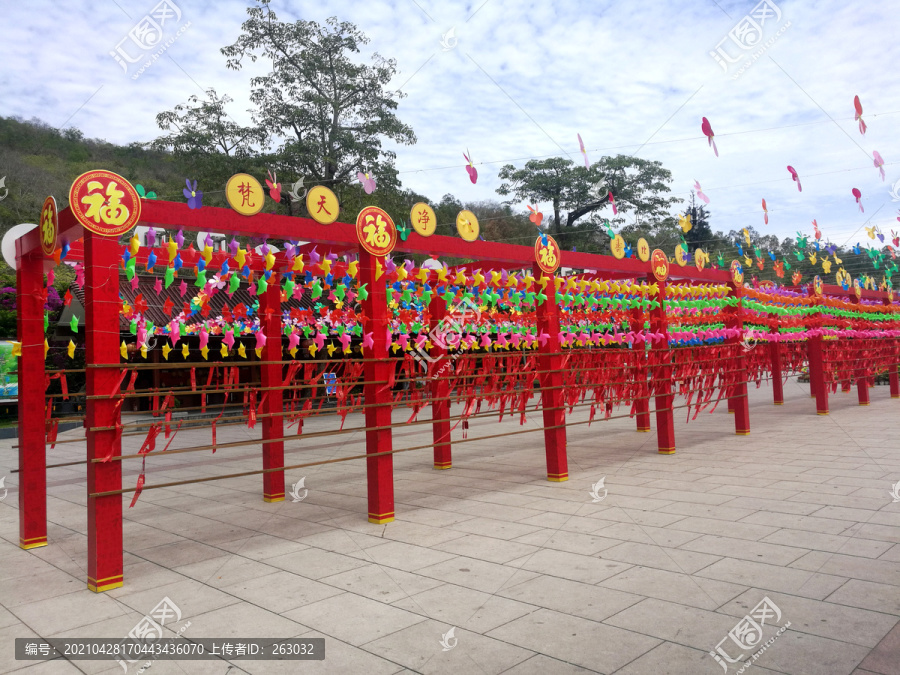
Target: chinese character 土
point(110, 208)
point(246, 192)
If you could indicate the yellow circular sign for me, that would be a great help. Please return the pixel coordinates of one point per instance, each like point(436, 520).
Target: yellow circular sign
point(643, 250)
point(700, 259)
point(423, 219)
point(244, 194)
point(680, 256)
point(617, 246)
point(322, 205)
point(49, 226)
point(467, 225)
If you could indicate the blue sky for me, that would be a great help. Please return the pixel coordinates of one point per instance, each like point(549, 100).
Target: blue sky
point(523, 78)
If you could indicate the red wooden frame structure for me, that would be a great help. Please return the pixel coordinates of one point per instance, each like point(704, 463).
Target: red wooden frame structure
point(101, 257)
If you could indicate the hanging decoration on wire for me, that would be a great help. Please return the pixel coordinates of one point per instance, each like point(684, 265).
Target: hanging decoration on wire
point(706, 127)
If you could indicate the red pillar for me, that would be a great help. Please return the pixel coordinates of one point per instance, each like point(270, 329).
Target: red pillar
point(550, 359)
point(862, 381)
point(440, 370)
point(32, 450)
point(642, 405)
point(662, 373)
point(738, 401)
point(380, 470)
point(816, 360)
point(893, 378)
point(101, 323)
point(777, 377)
point(271, 381)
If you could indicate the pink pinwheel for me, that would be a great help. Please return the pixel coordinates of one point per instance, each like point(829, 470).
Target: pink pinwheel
point(587, 164)
point(879, 163)
point(816, 231)
point(702, 197)
point(193, 195)
point(274, 186)
point(204, 337)
point(859, 111)
point(260, 339)
point(612, 201)
point(470, 169)
point(795, 177)
point(858, 195)
point(179, 238)
point(710, 135)
point(229, 338)
point(368, 182)
point(368, 342)
point(765, 211)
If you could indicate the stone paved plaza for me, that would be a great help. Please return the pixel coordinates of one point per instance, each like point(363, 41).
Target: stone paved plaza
point(535, 577)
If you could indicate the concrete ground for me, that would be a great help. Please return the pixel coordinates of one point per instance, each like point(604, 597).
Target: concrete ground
point(646, 575)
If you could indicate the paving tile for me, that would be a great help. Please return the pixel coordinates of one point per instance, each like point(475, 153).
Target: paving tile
point(70, 610)
point(244, 620)
point(816, 617)
point(570, 597)
point(672, 559)
point(692, 590)
point(477, 574)
point(280, 591)
point(588, 569)
point(575, 640)
point(573, 542)
point(883, 659)
point(832, 543)
point(541, 665)
point(773, 554)
point(463, 607)
point(499, 529)
point(823, 525)
point(771, 577)
point(378, 582)
point(353, 618)
point(403, 556)
point(675, 659)
point(487, 548)
point(419, 648)
point(739, 530)
point(880, 571)
point(315, 563)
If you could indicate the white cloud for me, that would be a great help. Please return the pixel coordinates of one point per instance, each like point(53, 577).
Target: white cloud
point(612, 71)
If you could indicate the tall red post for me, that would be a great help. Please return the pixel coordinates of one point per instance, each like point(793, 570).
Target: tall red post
point(549, 362)
point(440, 370)
point(738, 401)
point(639, 372)
point(816, 360)
point(101, 314)
point(862, 381)
point(379, 470)
point(271, 380)
point(776, 366)
point(32, 449)
point(662, 373)
point(893, 378)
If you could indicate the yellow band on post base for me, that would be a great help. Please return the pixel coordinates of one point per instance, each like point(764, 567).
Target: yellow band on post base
point(558, 477)
point(445, 465)
point(105, 584)
point(33, 542)
point(379, 519)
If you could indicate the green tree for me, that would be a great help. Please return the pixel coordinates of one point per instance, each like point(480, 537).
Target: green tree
point(332, 112)
point(639, 187)
point(207, 144)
